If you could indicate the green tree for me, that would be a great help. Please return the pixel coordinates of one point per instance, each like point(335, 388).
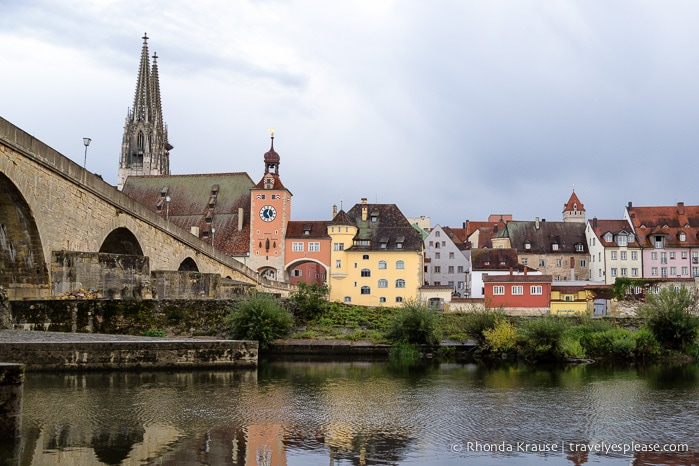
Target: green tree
point(309, 301)
point(414, 323)
point(672, 317)
point(260, 318)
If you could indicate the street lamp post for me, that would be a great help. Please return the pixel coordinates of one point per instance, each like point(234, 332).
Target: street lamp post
point(213, 237)
point(167, 208)
point(86, 142)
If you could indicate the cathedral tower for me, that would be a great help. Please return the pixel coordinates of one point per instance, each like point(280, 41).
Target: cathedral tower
point(145, 149)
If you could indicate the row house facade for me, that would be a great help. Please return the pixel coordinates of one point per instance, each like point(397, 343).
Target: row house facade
point(448, 261)
point(376, 258)
point(518, 294)
point(307, 251)
point(614, 251)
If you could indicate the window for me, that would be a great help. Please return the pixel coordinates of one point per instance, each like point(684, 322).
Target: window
point(399, 299)
point(683, 237)
point(365, 257)
point(536, 289)
point(554, 247)
point(460, 269)
point(517, 290)
point(451, 255)
point(348, 299)
point(622, 255)
point(634, 255)
point(451, 269)
point(437, 234)
point(672, 255)
point(622, 240)
point(663, 272)
point(558, 262)
point(685, 270)
point(658, 241)
point(613, 271)
point(400, 283)
point(431, 243)
point(695, 258)
point(541, 262)
point(684, 255)
point(365, 290)
point(450, 283)
point(365, 273)
point(624, 272)
point(382, 299)
point(695, 271)
point(383, 283)
point(654, 256)
point(634, 272)
point(579, 248)
point(338, 264)
point(663, 258)
point(437, 255)
point(297, 246)
point(583, 263)
point(297, 273)
point(437, 269)
point(313, 247)
point(382, 265)
point(499, 290)
point(613, 255)
point(673, 271)
point(400, 264)
point(338, 246)
point(525, 261)
point(436, 245)
point(654, 271)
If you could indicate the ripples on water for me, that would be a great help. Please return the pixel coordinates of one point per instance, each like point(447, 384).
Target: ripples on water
point(357, 413)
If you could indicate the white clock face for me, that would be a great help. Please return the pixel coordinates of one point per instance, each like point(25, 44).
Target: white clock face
point(268, 213)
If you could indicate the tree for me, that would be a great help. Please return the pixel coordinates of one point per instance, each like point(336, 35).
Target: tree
point(309, 301)
point(672, 317)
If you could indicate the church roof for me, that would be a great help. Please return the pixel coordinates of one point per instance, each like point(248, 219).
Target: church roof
point(203, 201)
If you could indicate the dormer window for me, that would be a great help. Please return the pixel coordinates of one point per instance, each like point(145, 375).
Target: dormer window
point(554, 247)
point(575, 207)
point(163, 191)
point(399, 242)
point(383, 243)
point(306, 230)
point(269, 183)
point(214, 190)
point(374, 216)
point(527, 245)
point(622, 240)
point(608, 237)
point(683, 237)
point(579, 247)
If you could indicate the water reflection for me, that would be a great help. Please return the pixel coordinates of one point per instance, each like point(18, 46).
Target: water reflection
point(362, 413)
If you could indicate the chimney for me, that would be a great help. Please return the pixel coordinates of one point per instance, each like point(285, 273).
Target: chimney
point(630, 205)
point(334, 210)
point(594, 222)
point(525, 270)
point(536, 223)
point(365, 209)
point(511, 272)
point(240, 219)
point(680, 208)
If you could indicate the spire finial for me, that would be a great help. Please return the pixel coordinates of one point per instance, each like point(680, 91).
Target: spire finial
point(271, 133)
point(155, 57)
point(573, 187)
point(145, 37)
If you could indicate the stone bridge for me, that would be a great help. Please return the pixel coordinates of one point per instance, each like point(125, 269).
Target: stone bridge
point(64, 228)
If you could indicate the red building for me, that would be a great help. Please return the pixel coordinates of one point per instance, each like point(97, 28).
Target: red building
point(518, 294)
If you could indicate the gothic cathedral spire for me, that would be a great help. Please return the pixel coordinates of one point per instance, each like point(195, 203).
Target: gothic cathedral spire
point(145, 149)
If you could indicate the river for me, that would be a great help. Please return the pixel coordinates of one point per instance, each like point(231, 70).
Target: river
point(365, 413)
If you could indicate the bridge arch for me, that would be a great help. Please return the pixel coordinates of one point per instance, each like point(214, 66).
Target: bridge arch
point(22, 259)
point(311, 270)
point(188, 265)
point(121, 241)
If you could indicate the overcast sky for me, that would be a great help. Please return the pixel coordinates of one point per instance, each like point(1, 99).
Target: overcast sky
point(449, 109)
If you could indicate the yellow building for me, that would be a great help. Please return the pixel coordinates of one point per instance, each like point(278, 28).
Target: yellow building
point(569, 299)
point(376, 257)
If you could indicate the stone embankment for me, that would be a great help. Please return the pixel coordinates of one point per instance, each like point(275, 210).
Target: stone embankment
point(56, 351)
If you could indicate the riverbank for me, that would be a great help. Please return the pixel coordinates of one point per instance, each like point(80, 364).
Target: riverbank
point(57, 351)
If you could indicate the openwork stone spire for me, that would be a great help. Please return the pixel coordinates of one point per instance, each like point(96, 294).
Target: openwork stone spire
point(145, 149)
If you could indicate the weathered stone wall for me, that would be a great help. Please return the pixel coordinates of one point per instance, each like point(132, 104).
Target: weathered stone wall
point(186, 285)
point(175, 317)
point(131, 355)
point(11, 387)
point(112, 276)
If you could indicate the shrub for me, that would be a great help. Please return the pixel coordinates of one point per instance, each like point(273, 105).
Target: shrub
point(477, 322)
point(414, 323)
point(154, 332)
point(672, 317)
point(502, 338)
point(309, 301)
point(646, 344)
point(260, 318)
point(542, 338)
point(571, 348)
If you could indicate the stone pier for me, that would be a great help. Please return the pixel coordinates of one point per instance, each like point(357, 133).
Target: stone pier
point(11, 386)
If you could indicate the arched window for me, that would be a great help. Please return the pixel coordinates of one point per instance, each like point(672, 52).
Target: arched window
point(366, 290)
point(400, 283)
point(383, 283)
point(140, 141)
point(366, 273)
point(382, 264)
point(400, 264)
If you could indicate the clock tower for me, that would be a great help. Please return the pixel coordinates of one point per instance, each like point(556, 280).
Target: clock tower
point(270, 211)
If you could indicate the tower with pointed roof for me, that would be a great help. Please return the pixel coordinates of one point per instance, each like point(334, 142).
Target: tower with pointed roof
point(574, 210)
point(145, 149)
point(270, 212)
